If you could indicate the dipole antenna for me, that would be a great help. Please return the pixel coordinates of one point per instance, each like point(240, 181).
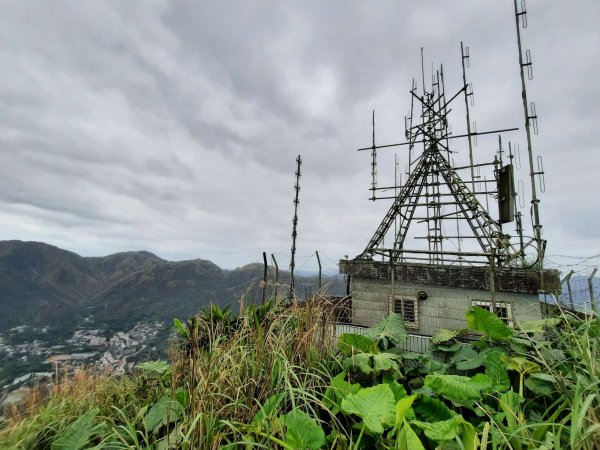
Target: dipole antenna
point(295, 224)
point(464, 52)
point(373, 163)
point(530, 121)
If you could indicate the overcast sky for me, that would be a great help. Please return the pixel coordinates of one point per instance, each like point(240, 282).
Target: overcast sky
point(174, 126)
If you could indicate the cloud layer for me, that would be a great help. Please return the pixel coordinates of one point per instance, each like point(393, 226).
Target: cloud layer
point(174, 126)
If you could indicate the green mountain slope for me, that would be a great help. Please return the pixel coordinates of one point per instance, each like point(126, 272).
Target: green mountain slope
point(44, 285)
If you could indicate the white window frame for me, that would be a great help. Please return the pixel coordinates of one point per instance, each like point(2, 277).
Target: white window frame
point(487, 304)
point(403, 298)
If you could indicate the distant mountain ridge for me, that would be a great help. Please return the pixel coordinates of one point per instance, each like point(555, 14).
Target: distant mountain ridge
point(41, 285)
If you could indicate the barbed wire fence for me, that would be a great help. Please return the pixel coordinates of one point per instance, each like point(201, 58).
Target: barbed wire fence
point(580, 287)
point(580, 280)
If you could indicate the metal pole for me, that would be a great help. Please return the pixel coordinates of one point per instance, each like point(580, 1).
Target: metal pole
point(393, 270)
point(463, 58)
point(373, 162)
point(319, 262)
point(591, 286)
point(264, 293)
point(493, 280)
point(567, 279)
point(537, 227)
point(276, 275)
point(295, 224)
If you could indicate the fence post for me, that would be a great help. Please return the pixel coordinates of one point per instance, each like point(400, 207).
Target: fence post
point(591, 286)
point(276, 275)
point(319, 262)
point(264, 294)
point(567, 279)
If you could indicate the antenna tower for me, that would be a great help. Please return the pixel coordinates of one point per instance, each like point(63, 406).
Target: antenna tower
point(438, 191)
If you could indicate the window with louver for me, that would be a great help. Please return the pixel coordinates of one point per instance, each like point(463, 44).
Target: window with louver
point(408, 309)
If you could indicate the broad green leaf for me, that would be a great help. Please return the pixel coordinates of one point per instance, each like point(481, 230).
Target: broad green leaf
point(432, 409)
point(441, 431)
point(388, 331)
point(337, 391)
point(495, 368)
point(303, 432)
point(269, 407)
point(361, 362)
point(510, 403)
point(541, 384)
point(521, 364)
point(471, 364)
point(433, 366)
point(469, 437)
point(163, 411)
point(538, 326)
point(160, 367)
point(443, 335)
point(368, 363)
point(520, 345)
point(77, 435)
point(454, 387)
point(170, 441)
point(397, 389)
point(374, 405)
point(449, 348)
point(407, 439)
point(402, 407)
point(350, 343)
point(481, 382)
point(182, 396)
point(467, 358)
point(487, 323)
point(384, 362)
point(413, 356)
point(465, 353)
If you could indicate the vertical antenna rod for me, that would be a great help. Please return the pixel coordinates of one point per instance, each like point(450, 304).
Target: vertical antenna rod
point(373, 162)
point(295, 223)
point(537, 228)
point(465, 58)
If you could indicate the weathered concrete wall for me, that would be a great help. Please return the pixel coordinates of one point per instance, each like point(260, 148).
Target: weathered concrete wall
point(506, 280)
point(445, 307)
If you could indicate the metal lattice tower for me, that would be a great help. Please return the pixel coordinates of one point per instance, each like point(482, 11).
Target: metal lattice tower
point(439, 196)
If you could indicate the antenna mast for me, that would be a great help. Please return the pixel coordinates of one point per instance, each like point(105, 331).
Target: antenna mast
point(295, 223)
point(464, 52)
point(530, 121)
point(373, 162)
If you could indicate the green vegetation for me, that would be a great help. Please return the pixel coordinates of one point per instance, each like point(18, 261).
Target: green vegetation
point(276, 377)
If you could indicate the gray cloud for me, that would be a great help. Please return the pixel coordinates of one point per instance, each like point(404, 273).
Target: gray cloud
point(173, 126)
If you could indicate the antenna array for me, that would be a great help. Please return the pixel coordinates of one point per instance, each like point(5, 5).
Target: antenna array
point(439, 196)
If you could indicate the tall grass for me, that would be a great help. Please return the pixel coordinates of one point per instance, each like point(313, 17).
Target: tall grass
point(233, 381)
point(225, 368)
point(230, 368)
point(572, 360)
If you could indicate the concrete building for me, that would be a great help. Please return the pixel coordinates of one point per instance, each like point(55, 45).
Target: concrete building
point(430, 297)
